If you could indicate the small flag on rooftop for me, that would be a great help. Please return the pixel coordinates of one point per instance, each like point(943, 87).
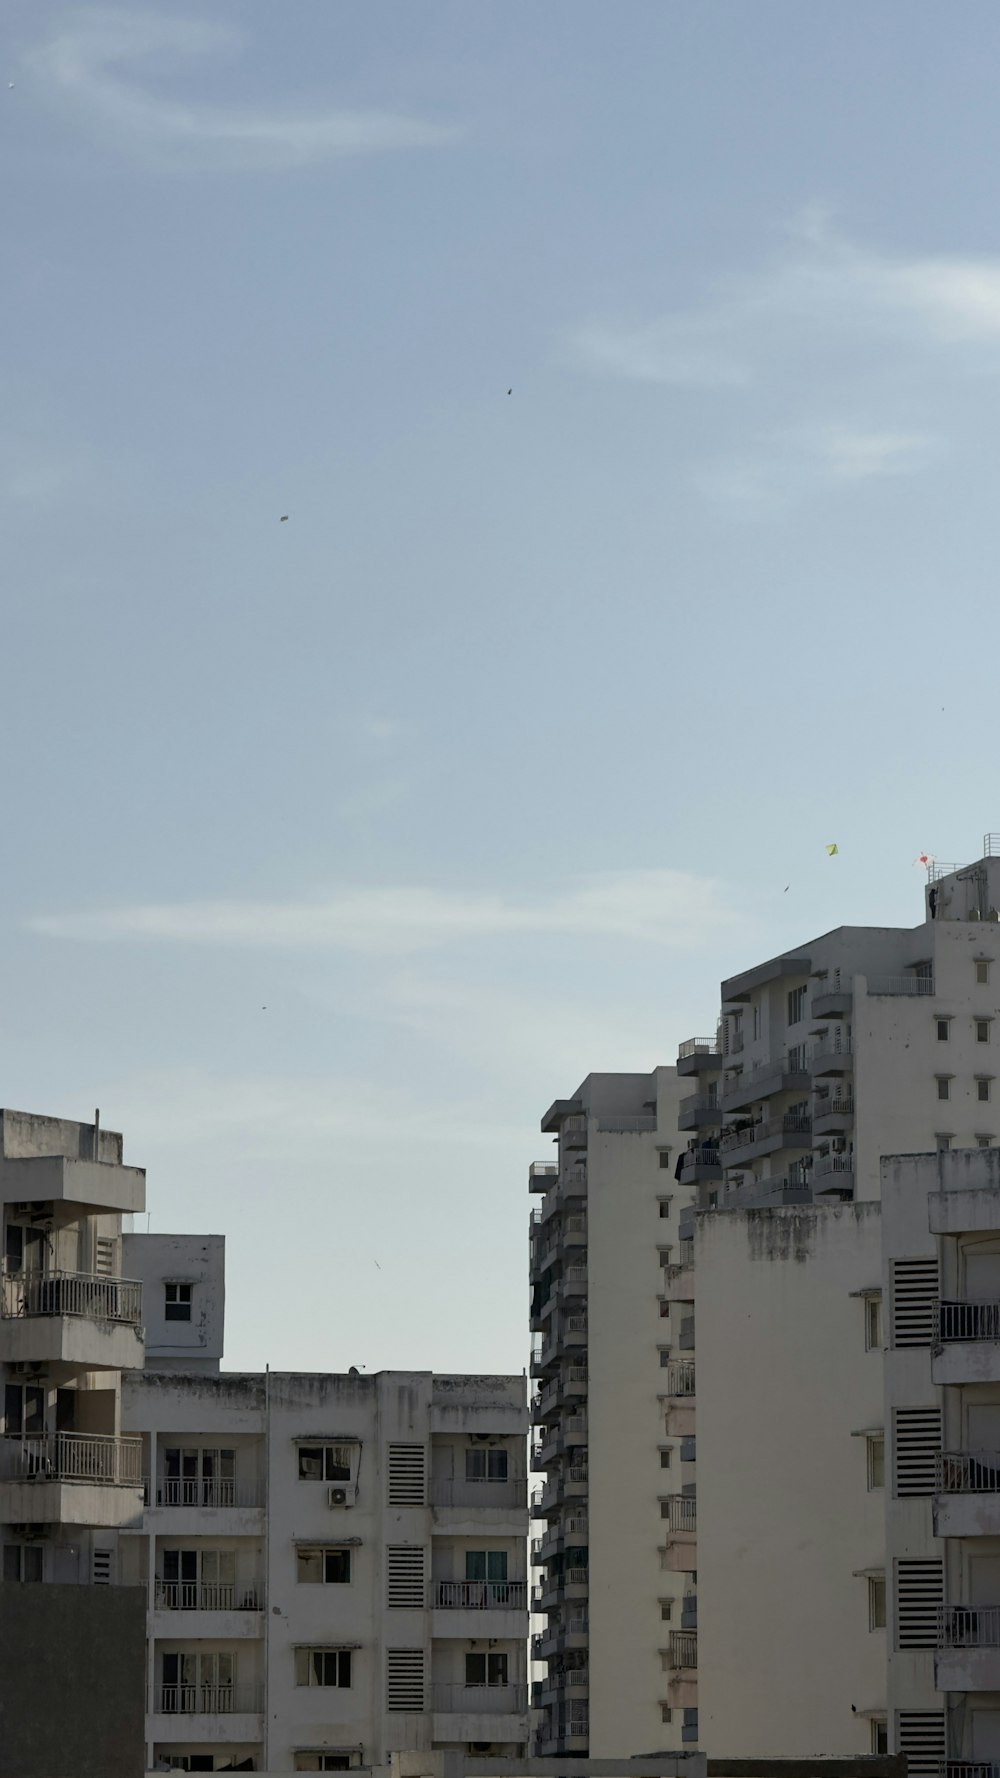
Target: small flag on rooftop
point(926, 859)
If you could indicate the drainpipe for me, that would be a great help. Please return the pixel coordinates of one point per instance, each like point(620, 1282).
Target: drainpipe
point(267, 1567)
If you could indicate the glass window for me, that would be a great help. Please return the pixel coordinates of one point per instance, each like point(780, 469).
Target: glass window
point(873, 1324)
point(982, 1089)
point(942, 1030)
point(329, 1566)
point(876, 1461)
point(485, 1669)
point(486, 1564)
point(331, 1463)
point(982, 972)
point(880, 1735)
point(876, 1602)
point(323, 1666)
point(982, 1030)
point(489, 1465)
point(177, 1302)
point(944, 1086)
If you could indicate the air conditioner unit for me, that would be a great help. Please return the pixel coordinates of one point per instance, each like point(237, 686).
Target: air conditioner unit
point(338, 1497)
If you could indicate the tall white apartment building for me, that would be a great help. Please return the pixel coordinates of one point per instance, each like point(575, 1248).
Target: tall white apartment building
point(70, 1328)
point(863, 1043)
point(611, 1514)
point(336, 1565)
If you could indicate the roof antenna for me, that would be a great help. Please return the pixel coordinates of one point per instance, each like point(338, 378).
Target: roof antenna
point(97, 1134)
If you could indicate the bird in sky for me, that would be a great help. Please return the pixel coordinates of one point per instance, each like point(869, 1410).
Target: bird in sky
point(284, 518)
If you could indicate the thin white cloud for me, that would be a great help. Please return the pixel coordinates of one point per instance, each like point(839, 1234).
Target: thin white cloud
point(90, 57)
point(821, 295)
point(661, 907)
point(783, 469)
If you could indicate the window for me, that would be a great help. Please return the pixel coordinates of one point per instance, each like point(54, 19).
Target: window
point(308, 1761)
point(328, 1565)
point(880, 1735)
point(942, 1029)
point(22, 1561)
point(942, 1141)
point(325, 1463)
point(756, 1022)
point(485, 1669)
point(664, 1308)
point(664, 1157)
point(983, 1084)
point(666, 1610)
point(666, 1714)
point(23, 1409)
point(944, 1086)
point(796, 1005)
point(197, 1477)
point(486, 1565)
point(664, 1357)
point(875, 1451)
point(982, 971)
point(873, 1324)
point(177, 1302)
point(665, 1457)
point(664, 1207)
point(982, 1030)
point(876, 1602)
point(485, 1465)
point(323, 1666)
point(984, 1142)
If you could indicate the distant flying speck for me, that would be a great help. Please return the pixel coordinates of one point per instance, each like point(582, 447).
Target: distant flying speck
point(510, 392)
point(786, 889)
point(284, 518)
point(379, 1267)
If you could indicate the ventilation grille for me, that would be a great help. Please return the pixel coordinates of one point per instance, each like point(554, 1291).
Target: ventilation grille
point(101, 1568)
point(406, 1475)
point(914, 1297)
point(404, 1576)
point(920, 1735)
point(104, 1255)
point(919, 1597)
point(916, 1445)
point(404, 1679)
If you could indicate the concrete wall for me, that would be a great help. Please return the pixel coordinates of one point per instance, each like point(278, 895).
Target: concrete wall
point(786, 1523)
point(198, 1260)
point(72, 1669)
point(625, 1236)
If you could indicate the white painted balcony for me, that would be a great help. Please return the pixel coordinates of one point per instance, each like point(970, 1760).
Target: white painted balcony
point(682, 1652)
point(79, 1318)
point(219, 1612)
point(212, 1713)
point(968, 1655)
point(466, 1506)
point(967, 1498)
point(966, 1342)
point(70, 1478)
point(94, 1186)
point(479, 1712)
point(681, 1516)
point(901, 984)
point(480, 1595)
point(680, 1378)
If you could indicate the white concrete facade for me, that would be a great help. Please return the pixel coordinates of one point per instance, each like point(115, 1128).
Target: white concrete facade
point(336, 1564)
point(601, 1242)
point(70, 1325)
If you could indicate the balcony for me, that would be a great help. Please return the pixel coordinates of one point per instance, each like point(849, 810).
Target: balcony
point(70, 1478)
point(573, 1133)
point(682, 1653)
point(226, 1507)
point(541, 1179)
point(573, 1283)
point(680, 1378)
point(699, 1113)
point(682, 1515)
point(465, 1507)
point(699, 1055)
point(968, 1655)
point(221, 1612)
point(832, 1058)
point(833, 1173)
point(778, 1074)
point(680, 1398)
point(678, 1284)
point(468, 1609)
point(832, 1001)
point(701, 1163)
point(94, 1187)
point(833, 1116)
point(966, 1343)
point(479, 1712)
point(766, 1194)
point(901, 984)
point(77, 1318)
point(766, 1136)
point(967, 1500)
point(207, 1713)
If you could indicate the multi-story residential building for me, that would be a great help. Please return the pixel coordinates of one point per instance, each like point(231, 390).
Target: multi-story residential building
point(336, 1565)
point(613, 1513)
point(863, 1043)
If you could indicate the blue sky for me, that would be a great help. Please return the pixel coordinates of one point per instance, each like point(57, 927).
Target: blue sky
point(480, 771)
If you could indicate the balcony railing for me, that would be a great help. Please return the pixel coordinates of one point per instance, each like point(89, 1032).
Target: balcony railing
point(833, 1108)
point(479, 1700)
point(968, 1472)
point(826, 1053)
point(479, 1491)
point(578, 1472)
point(789, 1125)
point(969, 1626)
point(480, 1595)
point(193, 1595)
point(683, 1649)
point(86, 1294)
point(680, 1376)
point(967, 1321)
point(682, 1512)
point(833, 1163)
point(72, 1457)
point(205, 1491)
point(901, 984)
point(627, 1126)
point(698, 1046)
point(210, 1700)
point(967, 1768)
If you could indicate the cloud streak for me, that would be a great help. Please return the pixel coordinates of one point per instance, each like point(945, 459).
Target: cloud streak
point(660, 907)
point(90, 63)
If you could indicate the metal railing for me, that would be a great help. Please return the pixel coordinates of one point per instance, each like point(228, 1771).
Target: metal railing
point(682, 1512)
point(479, 1491)
point(789, 1125)
point(967, 1768)
point(86, 1294)
point(833, 1163)
point(578, 1472)
point(698, 1046)
point(480, 1700)
point(576, 1324)
point(575, 1577)
point(683, 1648)
point(968, 1472)
point(205, 1491)
point(480, 1595)
point(833, 1108)
point(193, 1595)
point(575, 1224)
point(955, 1321)
point(71, 1457)
point(573, 1275)
point(680, 1376)
point(901, 984)
point(210, 1700)
point(969, 1626)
